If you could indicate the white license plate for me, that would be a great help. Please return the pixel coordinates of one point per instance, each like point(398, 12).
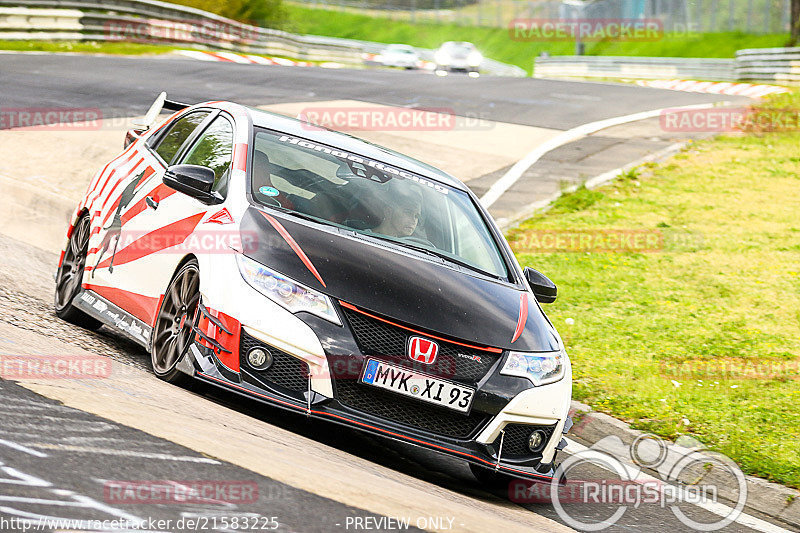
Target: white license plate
point(419, 386)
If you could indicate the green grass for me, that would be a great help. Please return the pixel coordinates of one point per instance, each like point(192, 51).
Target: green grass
point(726, 287)
point(95, 47)
point(496, 43)
point(86, 47)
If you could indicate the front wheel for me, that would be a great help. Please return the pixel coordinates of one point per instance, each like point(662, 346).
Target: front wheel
point(172, 333)
point(70, 274)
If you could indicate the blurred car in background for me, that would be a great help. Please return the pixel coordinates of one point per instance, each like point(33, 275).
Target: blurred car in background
point(458, 56)
point(400, 55)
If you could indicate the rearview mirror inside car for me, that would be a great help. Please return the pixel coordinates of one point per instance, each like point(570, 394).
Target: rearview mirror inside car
point(194, 180)
point(543, 288)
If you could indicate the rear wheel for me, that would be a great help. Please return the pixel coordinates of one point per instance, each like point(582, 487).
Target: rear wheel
point(70, 274)
point(172, 333)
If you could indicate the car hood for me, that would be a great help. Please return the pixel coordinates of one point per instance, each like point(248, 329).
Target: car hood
point(416, 290)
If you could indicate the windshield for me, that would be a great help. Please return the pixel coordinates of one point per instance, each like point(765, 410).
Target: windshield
point(458, 47)
point(373, 199)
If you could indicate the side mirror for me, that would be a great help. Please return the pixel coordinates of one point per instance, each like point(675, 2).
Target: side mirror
point(194, 180)
point(543, 288)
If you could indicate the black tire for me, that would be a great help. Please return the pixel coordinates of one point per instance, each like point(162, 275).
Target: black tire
point(172, 333)
point(70, 274)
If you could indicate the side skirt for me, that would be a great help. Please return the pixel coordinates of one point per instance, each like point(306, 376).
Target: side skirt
point(113, 316)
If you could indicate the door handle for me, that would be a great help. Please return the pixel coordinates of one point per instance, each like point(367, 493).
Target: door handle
point(152, 204)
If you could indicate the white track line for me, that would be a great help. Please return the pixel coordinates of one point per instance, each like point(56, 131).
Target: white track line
point(21, 448)
point(502, 185)
point(127, 453)
point(719, 509)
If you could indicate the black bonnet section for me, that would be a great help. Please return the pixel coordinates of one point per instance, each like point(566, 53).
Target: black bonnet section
point(415, 291)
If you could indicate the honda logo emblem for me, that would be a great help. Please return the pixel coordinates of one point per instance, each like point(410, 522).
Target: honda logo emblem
point(422, 350)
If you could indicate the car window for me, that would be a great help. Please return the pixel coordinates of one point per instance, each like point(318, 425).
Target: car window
point(374, 199)
point(170, 143)
point(214, 149)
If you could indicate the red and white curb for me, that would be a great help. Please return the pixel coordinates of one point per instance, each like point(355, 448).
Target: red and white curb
point(714, 87)
point(244, 59)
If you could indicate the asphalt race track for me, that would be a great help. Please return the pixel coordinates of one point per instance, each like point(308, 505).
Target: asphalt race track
point(126, 87)
point(63, 444)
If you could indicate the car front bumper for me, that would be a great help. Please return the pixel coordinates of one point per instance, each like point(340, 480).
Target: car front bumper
point(316, 372)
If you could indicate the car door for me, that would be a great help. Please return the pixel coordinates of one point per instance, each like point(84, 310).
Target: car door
point(158, 220)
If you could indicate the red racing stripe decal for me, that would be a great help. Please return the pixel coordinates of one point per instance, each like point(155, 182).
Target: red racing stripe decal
point(296, 247)
point(357, 310)
point(141, 306)
point(155, 241)
point(523, 316)
point(113, 209)
point(240, 157)
point(160, 192)
point(111, 175)
point(117, 184)
point(229, 342)
point(94, 185)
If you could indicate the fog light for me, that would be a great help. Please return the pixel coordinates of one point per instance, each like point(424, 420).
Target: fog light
point(259, 358)
point(537, 440)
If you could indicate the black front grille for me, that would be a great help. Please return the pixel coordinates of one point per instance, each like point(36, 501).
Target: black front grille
point(515, 441)
point(454, 362)
point(286, 371)
point(408, 412)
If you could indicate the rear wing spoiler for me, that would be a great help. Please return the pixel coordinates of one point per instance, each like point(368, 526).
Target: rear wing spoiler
point(141, 126)
point(160, 104)
point(172, 105)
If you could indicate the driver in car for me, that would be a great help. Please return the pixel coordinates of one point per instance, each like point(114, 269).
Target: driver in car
point(401, 213)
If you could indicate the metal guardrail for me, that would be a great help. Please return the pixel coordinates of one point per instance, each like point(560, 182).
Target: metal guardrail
point(776, 65)
point(155, 21)
point(634, 67)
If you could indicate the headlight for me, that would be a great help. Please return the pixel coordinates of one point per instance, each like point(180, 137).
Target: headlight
point(540, 368)
point(441, 57)
point(286, 292)
point(474, 58)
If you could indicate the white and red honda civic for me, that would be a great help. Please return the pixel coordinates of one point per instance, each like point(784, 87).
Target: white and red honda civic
point(325, 275)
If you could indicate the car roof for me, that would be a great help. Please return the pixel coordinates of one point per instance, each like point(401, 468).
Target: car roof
point(349, 143)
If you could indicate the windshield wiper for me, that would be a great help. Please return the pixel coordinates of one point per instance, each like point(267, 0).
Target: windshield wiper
point(434, 253)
